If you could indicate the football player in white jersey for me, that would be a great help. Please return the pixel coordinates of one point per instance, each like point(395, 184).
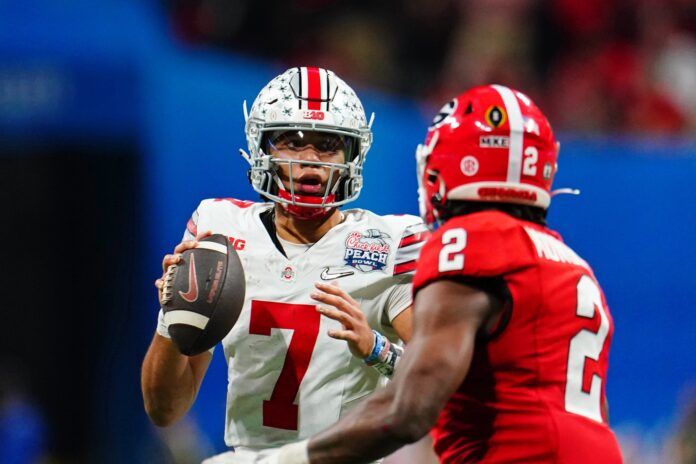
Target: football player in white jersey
point(315, 275)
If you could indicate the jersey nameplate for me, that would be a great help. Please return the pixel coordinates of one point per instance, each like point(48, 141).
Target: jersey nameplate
point(548, 247)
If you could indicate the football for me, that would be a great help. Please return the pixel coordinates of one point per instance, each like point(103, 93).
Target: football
point(203, 295)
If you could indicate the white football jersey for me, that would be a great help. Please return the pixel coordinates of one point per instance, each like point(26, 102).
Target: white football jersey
point(288, 379)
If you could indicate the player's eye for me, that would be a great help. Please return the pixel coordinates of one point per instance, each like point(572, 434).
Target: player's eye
point(329, 144)
point(299, 140)
point(292, 141)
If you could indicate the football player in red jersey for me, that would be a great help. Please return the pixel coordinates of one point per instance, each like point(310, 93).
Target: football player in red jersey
point(508, 359)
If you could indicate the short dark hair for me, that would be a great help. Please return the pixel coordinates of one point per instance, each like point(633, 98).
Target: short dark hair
point(453, 208)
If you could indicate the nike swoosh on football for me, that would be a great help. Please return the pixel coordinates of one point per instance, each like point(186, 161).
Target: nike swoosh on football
point(325, 275)
point(192, 294)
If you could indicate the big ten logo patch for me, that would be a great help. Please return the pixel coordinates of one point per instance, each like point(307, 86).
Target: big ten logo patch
point(316, 115)
point(237, 243)
point(367, 251)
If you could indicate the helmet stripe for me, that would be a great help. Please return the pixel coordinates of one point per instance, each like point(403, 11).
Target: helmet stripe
point(514, 113)
point(326, 93)
point(302, 82)
point(313, 89)
point(303, 88)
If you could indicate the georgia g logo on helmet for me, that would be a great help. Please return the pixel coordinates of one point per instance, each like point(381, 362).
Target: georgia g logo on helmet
point(446, 111)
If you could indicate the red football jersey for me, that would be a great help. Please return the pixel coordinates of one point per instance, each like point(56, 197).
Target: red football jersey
point(536, 387)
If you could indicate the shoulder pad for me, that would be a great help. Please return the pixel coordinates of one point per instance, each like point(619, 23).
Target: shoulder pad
point(486, 244)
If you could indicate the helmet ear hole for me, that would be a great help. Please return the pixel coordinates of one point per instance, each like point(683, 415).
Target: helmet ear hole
point(437, 204)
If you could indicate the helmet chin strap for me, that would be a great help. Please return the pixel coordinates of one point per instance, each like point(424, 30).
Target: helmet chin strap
point(306, 213)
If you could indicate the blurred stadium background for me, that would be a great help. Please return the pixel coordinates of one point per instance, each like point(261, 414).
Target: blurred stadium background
point(118, 116)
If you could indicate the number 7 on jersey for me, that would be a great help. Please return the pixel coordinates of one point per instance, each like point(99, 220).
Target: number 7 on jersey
point(280, 411)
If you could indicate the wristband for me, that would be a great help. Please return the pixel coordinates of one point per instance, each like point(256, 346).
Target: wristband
point(162, 327)
point(387, 366)
point(384, 356)
point(380, 342)
point(384, 352)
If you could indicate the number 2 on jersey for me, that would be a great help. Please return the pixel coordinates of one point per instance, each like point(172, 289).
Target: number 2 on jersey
point(281, 411)
point(451, 256)
point(586, 344)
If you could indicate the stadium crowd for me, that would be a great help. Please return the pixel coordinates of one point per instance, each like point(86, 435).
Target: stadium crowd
point(595, 66)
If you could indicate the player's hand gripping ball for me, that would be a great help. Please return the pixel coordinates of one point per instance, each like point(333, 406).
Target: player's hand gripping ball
point(203, 295)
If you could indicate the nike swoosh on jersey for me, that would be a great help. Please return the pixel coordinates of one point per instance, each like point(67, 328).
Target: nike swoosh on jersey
point(192, 294)
point(326, 275)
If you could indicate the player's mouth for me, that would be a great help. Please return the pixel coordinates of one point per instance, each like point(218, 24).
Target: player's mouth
point(309, 184)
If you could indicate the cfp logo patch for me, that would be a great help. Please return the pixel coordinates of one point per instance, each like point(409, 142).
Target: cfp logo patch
point(495, 116)
point(367, 252)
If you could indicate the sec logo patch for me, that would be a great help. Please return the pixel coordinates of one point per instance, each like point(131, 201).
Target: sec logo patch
point(469, 166)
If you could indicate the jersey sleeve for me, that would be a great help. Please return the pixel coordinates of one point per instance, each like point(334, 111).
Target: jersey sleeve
point(399, 297)
point(482, 245)
point(393, 292)
point(218, 215)
point(191, 227)
point(391, 296)
point(412, 240)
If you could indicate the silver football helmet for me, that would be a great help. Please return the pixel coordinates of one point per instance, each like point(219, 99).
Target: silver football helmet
point(307, 99)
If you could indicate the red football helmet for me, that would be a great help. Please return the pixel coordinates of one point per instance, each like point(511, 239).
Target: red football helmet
point(490, 143)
